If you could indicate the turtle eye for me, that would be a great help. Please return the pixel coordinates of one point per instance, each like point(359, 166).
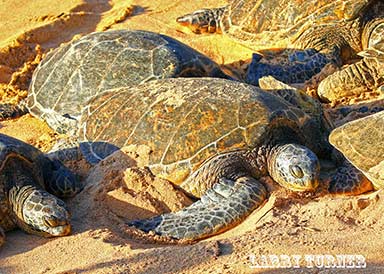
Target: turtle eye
point(296, 171)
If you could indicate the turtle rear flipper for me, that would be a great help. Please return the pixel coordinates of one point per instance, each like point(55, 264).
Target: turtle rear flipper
point(222, 207)
point(203, 21)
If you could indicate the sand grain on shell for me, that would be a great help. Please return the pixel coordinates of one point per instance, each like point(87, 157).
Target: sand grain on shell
point(120, 189)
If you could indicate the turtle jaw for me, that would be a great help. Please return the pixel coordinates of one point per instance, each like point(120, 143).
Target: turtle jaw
point(55, 227)
point(310, 186)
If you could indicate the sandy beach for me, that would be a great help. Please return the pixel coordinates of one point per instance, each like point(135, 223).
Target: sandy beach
point(292, 228)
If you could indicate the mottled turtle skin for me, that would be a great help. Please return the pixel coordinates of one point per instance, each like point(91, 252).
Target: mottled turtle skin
point(213, 137)
point(328, 32)
point(349, 178)
point(362, 143)
point(73, 73)
point(25, 177)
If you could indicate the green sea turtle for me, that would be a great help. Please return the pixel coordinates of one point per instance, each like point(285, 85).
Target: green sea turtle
point(358, 143)
point(215, 137)
point(361, 142)
point(25, 177)
point(71, 74)
point(328, 32)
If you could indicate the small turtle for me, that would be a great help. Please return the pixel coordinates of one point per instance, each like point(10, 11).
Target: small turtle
point(329, 32)
point(71, 74)
point(361, 142)
point(25, 173)
point(215, 137)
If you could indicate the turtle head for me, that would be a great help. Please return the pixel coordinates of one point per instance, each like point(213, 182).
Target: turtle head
point(294, 167)
point(44, 214)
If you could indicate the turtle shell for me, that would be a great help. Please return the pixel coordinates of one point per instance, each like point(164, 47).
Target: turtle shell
point(32, 157)
point(362, 143)
point(261, 24)
point(185, 121)
point(74, 72)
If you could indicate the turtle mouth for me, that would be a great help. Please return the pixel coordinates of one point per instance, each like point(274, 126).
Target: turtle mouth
point(57, 227)
point(310, 186)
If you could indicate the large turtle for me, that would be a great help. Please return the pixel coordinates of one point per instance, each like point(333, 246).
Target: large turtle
point(71, 74)
point(351, 134)
point(215, 137)
point(25, 176)
point(361, 142)
point(329, 32)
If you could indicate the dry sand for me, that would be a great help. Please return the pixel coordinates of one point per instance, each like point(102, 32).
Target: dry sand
point(119, 189)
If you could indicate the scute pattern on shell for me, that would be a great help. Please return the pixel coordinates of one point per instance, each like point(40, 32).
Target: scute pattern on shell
point(73, 73)
point(262, 24)
point(185, 121)
point(362, 143)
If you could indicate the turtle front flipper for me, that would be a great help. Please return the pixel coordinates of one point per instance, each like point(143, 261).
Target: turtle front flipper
point(290, 66)
point(203, 21)
point(224, 205)
point(348, 180)
point(61, 181)
point(10, 111)
point(363, 76)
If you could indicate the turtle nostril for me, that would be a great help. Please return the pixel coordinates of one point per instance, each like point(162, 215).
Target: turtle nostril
point(296, 171)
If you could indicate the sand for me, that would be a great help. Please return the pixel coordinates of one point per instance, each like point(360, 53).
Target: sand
point(120, 189)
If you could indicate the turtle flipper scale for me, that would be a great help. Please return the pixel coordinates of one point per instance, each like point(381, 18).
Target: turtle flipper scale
point(10, 111)
point(221, 207)
point(299, 66)
point(203, 21)
point(63, 183)
point(354, 79)
point(348, 180)
point(362, 76)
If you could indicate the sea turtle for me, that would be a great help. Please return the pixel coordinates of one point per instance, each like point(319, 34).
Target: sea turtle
point(346, 179)
point(215, 138)
point(71, 74)
point(361, 142)
point(327, 31)
point(25, 177)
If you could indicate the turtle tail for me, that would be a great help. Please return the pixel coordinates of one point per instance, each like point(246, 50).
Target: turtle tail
point(10, 111)
point(203, 21)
